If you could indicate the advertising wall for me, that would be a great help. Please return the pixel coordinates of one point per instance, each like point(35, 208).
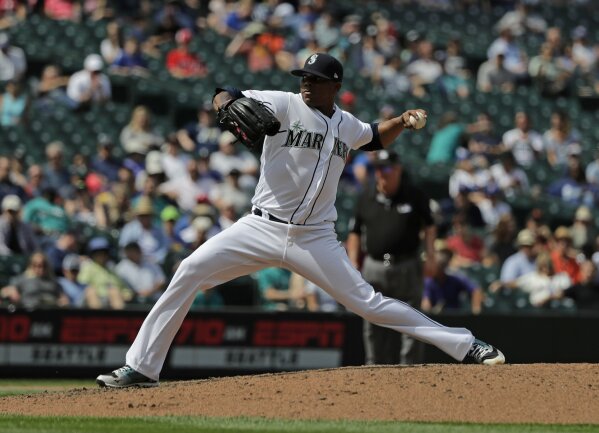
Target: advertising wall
point(72, 343)
point(78, 343)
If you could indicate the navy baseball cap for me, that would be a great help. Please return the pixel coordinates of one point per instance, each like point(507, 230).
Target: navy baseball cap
point(321, 65)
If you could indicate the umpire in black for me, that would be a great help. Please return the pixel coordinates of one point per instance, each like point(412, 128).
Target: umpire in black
point(390, 222)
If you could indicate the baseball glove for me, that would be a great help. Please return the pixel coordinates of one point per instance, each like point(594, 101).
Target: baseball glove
point(249, 120)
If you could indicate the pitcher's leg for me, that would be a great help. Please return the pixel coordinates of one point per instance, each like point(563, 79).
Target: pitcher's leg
point(324, 261)
point(222, 258)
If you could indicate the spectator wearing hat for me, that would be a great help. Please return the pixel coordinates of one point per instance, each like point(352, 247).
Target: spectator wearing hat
point(148, 234)
point(183, 226)
point(181, 62)
point(153, 168)
point(103, 162)
point(36, 287)
point(392, 263)
point(149, 191)
point(105, 288)
point(347, 101)
point(563, 254)
point(138, 136)
point(201, 134)
point(72, 288)
point(16, 236)
point(542, 284)
point(522, 262)
point(200, 232)
point(144, 277)
point(493, 75)
point(112, 207)
point(13, 63)
point(443, 291)
point(169, 217)
point(89, 86)
point(583, 231)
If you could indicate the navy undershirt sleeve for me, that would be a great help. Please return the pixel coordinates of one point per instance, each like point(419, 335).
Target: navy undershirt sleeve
point(375, 143)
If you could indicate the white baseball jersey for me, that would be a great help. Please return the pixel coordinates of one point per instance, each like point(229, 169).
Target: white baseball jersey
point(307, 156)
point(300, 170)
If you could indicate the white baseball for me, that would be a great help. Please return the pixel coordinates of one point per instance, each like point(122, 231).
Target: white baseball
point(418, 122)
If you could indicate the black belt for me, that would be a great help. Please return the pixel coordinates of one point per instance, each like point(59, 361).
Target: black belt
point(258, 212)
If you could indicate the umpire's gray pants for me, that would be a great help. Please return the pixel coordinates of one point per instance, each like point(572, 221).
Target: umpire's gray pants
point(404, 281)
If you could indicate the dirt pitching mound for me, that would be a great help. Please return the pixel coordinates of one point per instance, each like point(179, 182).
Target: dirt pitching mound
point(534, 393)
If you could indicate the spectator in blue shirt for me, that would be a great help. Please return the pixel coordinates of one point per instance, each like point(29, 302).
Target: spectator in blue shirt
point(130, 60)
point(73, 289)
point(446, 291)
point(103, 162)
point(520, 263)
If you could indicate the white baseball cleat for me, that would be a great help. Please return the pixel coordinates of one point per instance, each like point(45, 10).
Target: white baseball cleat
point(125, 377)
point(483, 353)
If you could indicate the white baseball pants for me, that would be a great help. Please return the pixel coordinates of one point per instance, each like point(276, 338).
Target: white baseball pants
point(254, 243)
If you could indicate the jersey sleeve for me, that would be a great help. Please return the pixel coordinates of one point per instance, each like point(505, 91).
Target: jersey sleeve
point(361, 132)
point(277, 101)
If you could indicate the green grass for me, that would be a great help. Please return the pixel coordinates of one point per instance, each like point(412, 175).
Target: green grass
point(16, 424)
point(31, 386)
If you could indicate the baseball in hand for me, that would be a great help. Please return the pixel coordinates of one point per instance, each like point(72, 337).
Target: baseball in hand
point(419, 121)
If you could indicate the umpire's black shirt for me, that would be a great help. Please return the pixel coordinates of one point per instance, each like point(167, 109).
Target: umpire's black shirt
point(392, 225)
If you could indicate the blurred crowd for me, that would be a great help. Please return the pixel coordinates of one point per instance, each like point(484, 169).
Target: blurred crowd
point(154, 197)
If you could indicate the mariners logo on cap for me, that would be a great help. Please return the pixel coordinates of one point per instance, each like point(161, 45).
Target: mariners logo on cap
point(312, 59)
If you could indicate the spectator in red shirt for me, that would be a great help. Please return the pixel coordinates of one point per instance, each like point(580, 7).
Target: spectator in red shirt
point(180, 62)
point(563, 255)
point(467, 248)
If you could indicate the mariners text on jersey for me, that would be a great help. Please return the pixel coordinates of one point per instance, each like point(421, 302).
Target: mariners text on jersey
point(303, 139)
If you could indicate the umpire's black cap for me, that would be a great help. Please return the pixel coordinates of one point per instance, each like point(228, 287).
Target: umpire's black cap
point(322, 65)
point(385, 157)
